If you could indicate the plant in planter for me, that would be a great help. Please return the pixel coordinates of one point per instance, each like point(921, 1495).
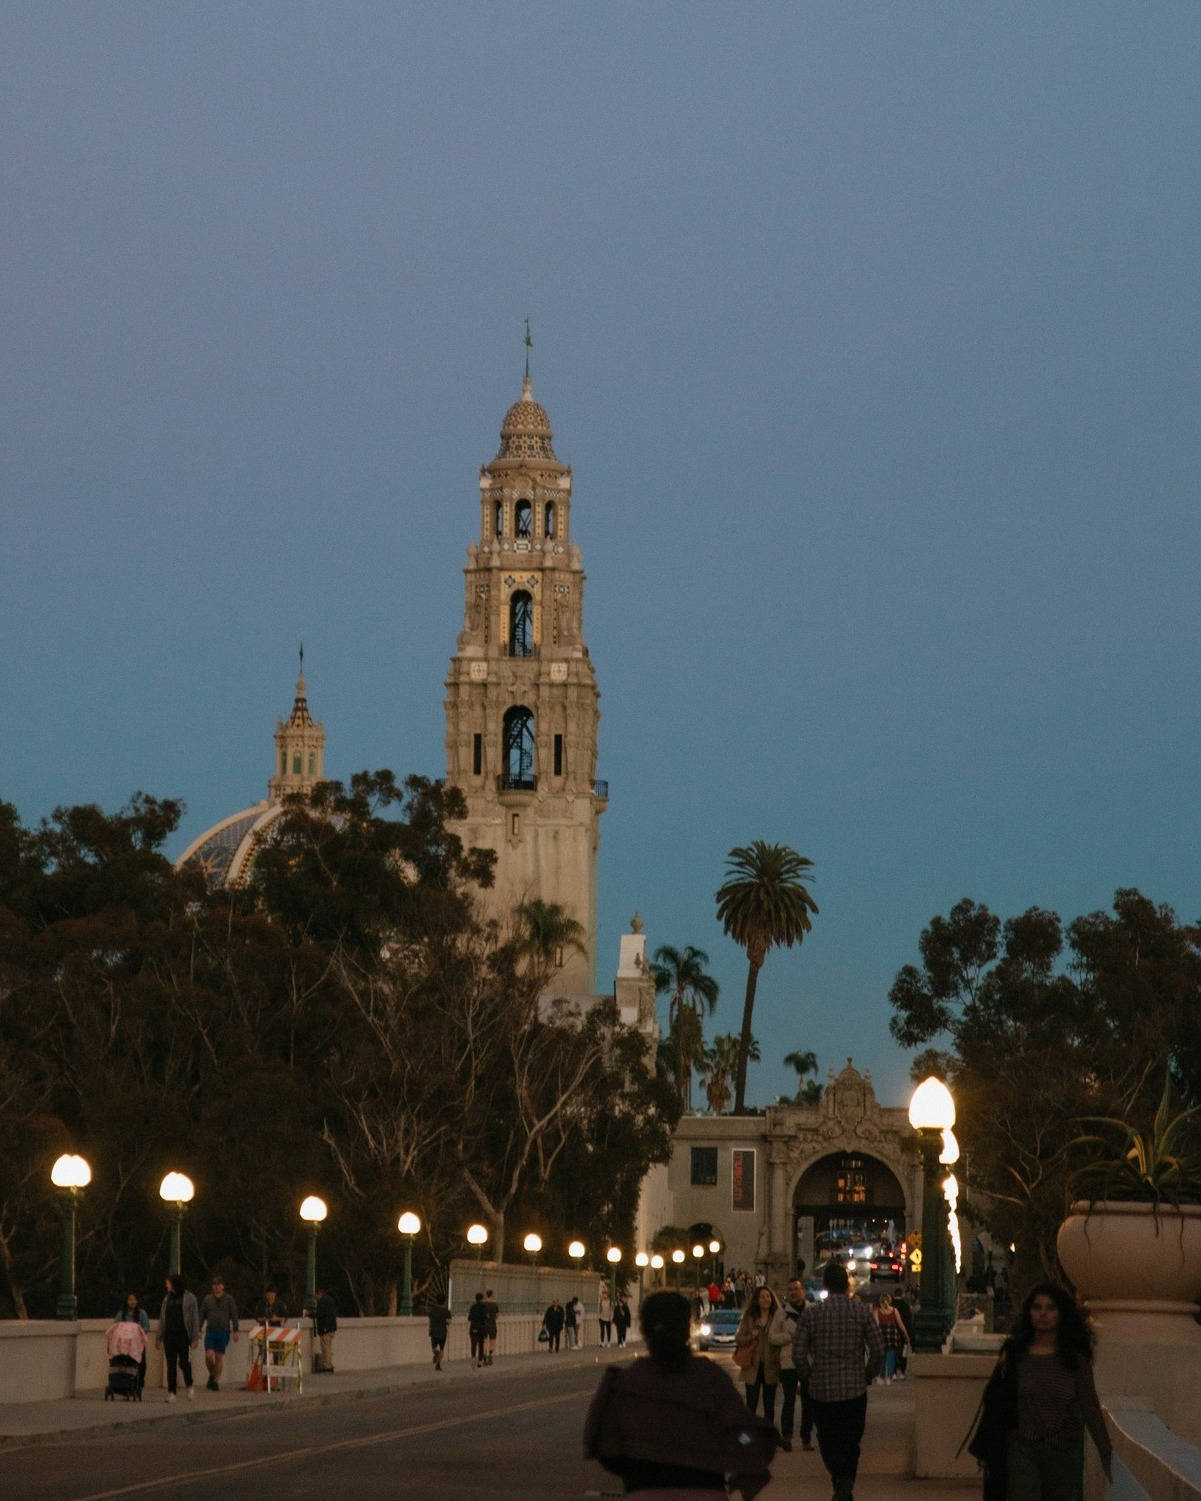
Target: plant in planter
point(1133, 1241)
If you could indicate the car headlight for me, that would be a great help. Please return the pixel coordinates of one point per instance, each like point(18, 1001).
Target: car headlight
point(850, 1264)
point(706, 1329)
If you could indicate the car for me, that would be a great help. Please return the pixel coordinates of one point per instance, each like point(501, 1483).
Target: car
point(718, 1328)
point(886, 1266)
point(815, 1291)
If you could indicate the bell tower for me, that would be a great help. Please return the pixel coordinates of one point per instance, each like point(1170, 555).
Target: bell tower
point(521, 697)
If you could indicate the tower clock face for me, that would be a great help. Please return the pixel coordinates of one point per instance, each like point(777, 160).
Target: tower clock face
point(558, 672)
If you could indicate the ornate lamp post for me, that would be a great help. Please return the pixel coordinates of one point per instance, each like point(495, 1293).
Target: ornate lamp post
point(677, 1257)
point(477, 1236)
point(613, 1256)
point(931, 1112)
point(657, 1268)
point(312, 1212)
point(641, 1261)
point(533, 1244)
point(408, 1225)
point(70, 1174)
point(714, 1252)
point(177, 1189)
point(698, 1252)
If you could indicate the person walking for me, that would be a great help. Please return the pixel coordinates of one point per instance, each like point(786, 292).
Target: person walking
point(132, 1312)
point(324, 1314)
point(477, 1331)
point(763, 1330)
point(492, 1307)
point(842, 1339)
point(604, 1314)
point(178, 1333)
point(439, 1319)
point(892, 1332)
point(219, 1320)
point(552, 1322)
point(792, 1380)
point(570, 1324)
point(622, 1320)
point(1038, 1402)
point(271, 1308)
point(672, 1424)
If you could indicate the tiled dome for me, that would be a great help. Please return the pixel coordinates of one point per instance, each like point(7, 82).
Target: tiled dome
point(525, 432)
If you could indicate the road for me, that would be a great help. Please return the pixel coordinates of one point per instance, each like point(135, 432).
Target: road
point(508, 1440)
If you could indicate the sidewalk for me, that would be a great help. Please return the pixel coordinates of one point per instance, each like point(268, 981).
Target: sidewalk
point(884, 1470)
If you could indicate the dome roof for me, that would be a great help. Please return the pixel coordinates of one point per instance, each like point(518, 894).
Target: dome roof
point(225, 853)
point(525, 433)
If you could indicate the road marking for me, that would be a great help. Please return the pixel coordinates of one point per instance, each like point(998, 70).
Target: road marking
point(340, 1445)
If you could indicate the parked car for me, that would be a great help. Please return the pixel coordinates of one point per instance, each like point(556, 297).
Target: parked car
point(718, 1328)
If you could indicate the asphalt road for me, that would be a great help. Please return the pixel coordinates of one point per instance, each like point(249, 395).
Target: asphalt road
point(508, 1440)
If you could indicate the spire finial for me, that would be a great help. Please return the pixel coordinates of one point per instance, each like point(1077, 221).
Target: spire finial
point(529, 344)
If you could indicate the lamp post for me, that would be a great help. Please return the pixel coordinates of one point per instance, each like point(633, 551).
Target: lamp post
point(408, 1225)
point(70, 1174)
point(576, 1251)
point(312, 1212)
point(641, 1261)
point(613, 1256)
point(677, 1258)
point(698, 1252)
point(931, 1112)
point(532, 1245)
point(714, 1251)
point(179, 1190)
point(477, 1235)
point(657, 1267)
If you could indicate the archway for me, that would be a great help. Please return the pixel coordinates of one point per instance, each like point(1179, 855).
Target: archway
point(845, 1196)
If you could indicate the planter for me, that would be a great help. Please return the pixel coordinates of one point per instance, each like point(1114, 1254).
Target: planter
point(1133, 1258)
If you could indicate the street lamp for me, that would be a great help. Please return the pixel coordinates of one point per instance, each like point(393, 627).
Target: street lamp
point(657, 1266)
point(677, 1257)
point(698, 1252)
point(408, 1225)
point(533, 1244)
point(612, 1256)
point(177, 1189)
point(931, 1112)
point(477, 1235)
point(641, 1261)
point(312, 1212)
point(69, 1173)
point(576, 1251)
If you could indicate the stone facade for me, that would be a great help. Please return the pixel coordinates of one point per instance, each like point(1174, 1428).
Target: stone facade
point(769, 1185)
point(522, 706)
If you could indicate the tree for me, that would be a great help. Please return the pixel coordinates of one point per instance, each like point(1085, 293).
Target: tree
point(719, 1065)
point(1045, 1029)
point(681, 975)
point(763, 902)
point(808, 1092)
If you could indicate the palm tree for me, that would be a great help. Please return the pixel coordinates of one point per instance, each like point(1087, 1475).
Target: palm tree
point(719, 1064)
point(808, 1092)
point(543, 934)
point(683, 976)
point(763, 901)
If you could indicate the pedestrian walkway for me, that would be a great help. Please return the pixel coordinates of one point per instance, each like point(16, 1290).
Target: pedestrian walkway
point(884, 1470)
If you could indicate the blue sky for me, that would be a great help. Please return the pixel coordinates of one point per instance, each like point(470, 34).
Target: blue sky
point(870, 331)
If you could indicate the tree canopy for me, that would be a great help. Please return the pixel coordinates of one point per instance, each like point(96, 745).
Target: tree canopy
point(348, 1024)
point(1035, 1028)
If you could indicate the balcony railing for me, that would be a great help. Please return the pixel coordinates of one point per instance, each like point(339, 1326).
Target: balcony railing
point(600, 789)
point(510, 781)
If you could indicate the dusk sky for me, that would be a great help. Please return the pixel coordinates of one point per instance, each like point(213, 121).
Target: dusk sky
point(871, 332)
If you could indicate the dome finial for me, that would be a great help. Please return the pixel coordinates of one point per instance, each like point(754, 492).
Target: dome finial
point(529, 344)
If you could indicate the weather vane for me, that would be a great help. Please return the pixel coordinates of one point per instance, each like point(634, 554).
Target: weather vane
point(529, 344)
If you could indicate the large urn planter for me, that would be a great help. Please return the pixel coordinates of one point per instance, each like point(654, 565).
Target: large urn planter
point(1133, 1259)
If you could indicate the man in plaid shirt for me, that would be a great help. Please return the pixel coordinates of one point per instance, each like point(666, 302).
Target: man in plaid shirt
point(843, 1341)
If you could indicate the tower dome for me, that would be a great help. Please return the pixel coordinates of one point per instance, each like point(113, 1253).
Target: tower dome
point(525, 433)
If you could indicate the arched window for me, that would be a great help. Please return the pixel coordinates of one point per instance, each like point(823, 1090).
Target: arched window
point(521, 625)
point(500, 518)
point(548, 522)
point(312, 763)
point(296, 763)
point(524, 518)
point(517, 752)
point(283, 763)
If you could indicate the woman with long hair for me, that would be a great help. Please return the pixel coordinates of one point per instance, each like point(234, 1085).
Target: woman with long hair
point(178, 1332)
point(672, 1424)
point(892, 1331)
point(1038, 1402)
point(763, 1330)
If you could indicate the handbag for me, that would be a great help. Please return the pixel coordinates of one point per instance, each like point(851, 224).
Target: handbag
point(745, 1356)
point(543, 1337)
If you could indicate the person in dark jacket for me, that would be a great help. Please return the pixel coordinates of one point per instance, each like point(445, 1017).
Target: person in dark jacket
point(621, 1320)
point(439, 1317)
point(477, 1329)
point(673, 1421)
point(178, 1332)
point(552, 1322)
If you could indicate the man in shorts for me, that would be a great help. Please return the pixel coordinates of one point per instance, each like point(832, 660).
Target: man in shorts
point(219, 1320)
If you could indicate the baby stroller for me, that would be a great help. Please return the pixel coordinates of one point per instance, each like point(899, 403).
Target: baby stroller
point(126, 1351)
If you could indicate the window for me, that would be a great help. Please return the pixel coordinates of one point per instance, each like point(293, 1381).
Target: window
point(500, 518)
point(283, 763)
point(525, 518)
point(521, 625)
point(851, 1182)
point(477, 754)
point(548, 522)
point(558, 755)
point(296, 764)
point(312, 763)
point(517, 756)
point(704, 1167)
point(515, 825)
